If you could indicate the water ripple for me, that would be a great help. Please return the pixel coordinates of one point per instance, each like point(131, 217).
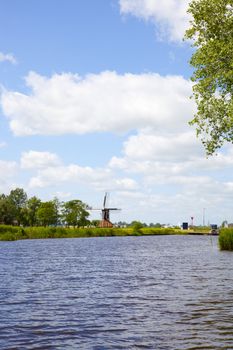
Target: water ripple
point(160, 293)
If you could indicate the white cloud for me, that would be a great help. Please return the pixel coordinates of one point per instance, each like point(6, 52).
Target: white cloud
point(126, 184)
point(39, 160)
point(165, 147)
point(71, 173)
point(163, 154)
point(96, 178)
point(169, 154)
point(7, 57)
point(169, 16)
point(107, 101)
point(8, 170)
point(62, 195)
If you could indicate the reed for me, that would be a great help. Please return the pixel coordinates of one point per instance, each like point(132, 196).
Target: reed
point(225, 239)
point(13, 233)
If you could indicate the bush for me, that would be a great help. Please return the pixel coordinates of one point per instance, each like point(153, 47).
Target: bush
point(137, 226)
point(12, 233)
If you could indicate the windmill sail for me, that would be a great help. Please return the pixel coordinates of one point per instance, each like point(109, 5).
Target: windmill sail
point(105, 200)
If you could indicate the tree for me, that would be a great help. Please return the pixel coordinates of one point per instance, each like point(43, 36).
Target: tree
point(32, 205)
point(95, 222)
point(18, 198)
point(224, 223)
point(136, 226)
point(157, 225)
point(74, 213)
point(46, 214)
point(57, 205)
point(212, 32)
point(7, 210)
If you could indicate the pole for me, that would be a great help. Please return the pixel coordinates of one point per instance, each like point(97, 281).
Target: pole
point(204, 216)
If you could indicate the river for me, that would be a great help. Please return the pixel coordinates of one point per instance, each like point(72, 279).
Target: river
point(164, 292)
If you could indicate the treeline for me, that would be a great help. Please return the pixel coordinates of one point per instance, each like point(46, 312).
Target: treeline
point(17, 209)
point(142, 224)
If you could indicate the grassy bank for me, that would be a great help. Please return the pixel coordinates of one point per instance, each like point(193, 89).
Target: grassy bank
point(13, 233)
point(226, 239)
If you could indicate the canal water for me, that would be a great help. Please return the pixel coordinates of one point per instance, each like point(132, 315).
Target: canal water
point(166, 292)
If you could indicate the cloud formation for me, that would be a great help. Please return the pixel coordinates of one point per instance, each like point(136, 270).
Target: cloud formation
point(51, 171)
point(104, 102)
point(167, 146)
point(169, 16)
point(7, 58)
point(38, 160)
point(8, 170)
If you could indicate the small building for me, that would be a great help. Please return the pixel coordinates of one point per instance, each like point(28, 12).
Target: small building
point(105, 224)
point(185, 226)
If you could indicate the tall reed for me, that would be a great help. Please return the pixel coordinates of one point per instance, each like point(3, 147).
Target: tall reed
point(226, 239)
point(12, 233)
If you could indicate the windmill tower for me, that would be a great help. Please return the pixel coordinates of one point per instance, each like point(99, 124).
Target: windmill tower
point(105, 222)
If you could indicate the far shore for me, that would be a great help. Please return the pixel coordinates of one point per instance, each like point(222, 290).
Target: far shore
point(13, 233)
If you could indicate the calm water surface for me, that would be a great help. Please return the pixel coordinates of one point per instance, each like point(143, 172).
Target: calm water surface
point(171, 292)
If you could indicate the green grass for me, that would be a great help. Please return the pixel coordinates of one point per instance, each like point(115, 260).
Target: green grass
point(13, 233)
point(225, 239)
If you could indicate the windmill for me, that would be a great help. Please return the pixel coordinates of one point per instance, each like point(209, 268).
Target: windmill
point(105, 213)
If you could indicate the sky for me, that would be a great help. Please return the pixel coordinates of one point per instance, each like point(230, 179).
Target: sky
point(95, 98)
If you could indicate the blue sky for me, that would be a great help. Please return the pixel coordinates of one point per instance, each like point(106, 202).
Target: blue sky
point(95, 98)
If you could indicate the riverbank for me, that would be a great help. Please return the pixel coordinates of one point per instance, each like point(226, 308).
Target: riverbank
point(13, 233)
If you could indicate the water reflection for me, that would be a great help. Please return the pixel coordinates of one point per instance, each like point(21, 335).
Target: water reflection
point(171, 292)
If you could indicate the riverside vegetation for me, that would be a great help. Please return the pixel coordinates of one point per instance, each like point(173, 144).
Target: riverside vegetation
point(12, 233)
point(226, 239)
point(23, 218)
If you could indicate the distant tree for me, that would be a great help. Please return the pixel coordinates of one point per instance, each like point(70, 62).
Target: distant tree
point(7, 210)
point(212, 31)
point(136, 226)
point(224, 223)
point(83, 220)
point(17, 209)
point(157, 225)
point(32, 205)
point(74, 213)
point(18, 198)
point(57, 207)
point(46, 213)
point(122, 224)
point(95, 223)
